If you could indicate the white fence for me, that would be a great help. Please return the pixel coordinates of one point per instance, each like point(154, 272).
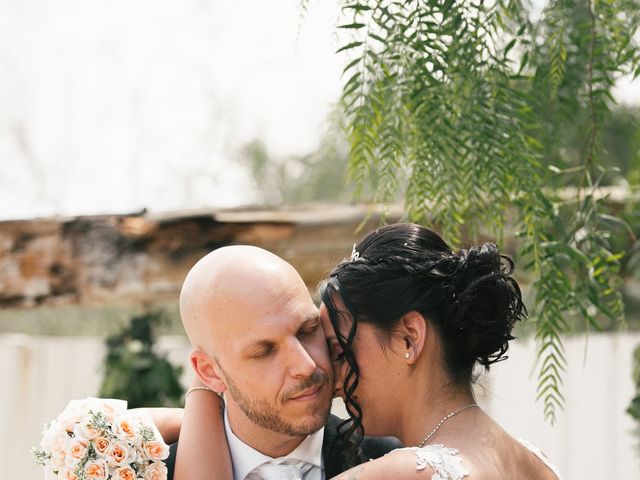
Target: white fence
point(593, 438)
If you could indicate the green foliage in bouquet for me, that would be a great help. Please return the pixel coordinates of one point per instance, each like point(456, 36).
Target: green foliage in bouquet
point(133, 371)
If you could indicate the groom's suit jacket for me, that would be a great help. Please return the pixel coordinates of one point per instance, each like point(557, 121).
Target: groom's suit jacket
point(332, 449)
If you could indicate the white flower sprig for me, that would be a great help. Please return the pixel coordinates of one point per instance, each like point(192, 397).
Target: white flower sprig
point(98, 439)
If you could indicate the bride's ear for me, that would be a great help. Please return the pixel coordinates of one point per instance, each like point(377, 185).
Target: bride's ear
point(207, 370)
point(412, 328)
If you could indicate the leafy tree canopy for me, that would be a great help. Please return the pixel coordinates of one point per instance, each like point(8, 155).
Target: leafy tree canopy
point(480, 113)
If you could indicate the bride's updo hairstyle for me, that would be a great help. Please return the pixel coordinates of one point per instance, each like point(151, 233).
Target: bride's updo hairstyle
point(468, 297)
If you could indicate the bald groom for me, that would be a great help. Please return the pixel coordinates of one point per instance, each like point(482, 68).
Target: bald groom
point(257, 339)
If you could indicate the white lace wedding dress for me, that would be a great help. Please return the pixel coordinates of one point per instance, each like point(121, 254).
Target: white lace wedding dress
point(447, 465)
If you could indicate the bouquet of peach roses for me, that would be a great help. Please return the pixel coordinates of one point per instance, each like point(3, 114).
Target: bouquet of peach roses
point(98, 439)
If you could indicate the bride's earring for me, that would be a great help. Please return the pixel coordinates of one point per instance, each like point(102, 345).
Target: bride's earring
point(407, 355)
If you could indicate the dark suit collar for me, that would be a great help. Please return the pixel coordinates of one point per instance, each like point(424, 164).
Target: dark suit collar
point(334, 449)
point(331, 448)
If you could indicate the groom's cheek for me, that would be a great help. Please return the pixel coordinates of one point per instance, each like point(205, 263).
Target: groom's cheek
point(329, 367)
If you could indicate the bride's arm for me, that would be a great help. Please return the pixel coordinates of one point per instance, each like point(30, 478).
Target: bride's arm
point(203, 453)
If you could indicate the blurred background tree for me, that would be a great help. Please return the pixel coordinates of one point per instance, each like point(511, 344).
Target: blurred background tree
point(317, 176)
point(133, 371)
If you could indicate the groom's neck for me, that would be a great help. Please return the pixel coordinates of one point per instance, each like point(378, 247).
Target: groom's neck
point(261, 439)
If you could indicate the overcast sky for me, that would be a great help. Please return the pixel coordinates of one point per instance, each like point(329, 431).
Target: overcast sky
point(115, 105)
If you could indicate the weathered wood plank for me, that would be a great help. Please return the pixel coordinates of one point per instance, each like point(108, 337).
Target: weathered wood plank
point(145, 257)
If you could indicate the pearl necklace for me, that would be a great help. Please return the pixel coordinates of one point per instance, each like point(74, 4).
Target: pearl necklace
point(444, 419)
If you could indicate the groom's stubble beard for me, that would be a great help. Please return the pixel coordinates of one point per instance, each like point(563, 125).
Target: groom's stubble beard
point(264, 414)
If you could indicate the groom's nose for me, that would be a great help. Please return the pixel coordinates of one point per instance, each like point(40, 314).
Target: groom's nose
point(300, 362)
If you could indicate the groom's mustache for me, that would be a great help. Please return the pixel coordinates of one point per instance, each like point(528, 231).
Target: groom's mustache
point(316, 379)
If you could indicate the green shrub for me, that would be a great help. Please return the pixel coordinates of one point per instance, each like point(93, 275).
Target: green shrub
point(133, 371)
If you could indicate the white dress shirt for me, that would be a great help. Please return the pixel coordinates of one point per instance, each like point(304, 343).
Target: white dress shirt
point(245, 458)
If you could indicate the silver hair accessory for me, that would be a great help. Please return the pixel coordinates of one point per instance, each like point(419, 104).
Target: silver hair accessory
point(355, 255)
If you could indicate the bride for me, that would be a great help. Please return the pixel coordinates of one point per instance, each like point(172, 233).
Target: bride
point(408, 322)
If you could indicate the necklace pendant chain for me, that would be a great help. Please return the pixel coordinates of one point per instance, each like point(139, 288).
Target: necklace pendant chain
point(444, 419)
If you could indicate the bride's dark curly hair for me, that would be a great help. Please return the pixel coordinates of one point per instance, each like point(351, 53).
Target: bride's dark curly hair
point(469, 297)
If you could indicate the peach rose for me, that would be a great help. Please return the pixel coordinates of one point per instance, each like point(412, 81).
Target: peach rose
point(110, 407)
point(155, 450)
point(127, 428)
point(86, 430)
point(101, 446)
point(55, 440)
point(118, 454)
point(58, 460)
point(96, 470)
point(67, 473)
point(124, 473)
point(156, 471)
point(76, 449)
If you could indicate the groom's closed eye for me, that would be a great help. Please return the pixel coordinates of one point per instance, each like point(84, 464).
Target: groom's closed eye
point(309, 330)
point(264, 350)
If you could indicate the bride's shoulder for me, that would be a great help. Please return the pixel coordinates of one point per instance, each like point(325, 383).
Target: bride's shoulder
point(432, 461)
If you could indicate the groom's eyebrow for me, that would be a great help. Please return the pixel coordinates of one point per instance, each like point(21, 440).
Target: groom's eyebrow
point(309, 326)
point(311, 322)
point(309, 319)
point(259, 342)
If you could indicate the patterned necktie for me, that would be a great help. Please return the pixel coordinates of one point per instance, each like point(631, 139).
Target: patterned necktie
point(285, 469)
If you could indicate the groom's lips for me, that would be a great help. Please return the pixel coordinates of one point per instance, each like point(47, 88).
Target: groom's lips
point(308, 395)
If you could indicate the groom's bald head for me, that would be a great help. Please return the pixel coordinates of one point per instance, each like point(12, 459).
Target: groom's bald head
point(228, 285)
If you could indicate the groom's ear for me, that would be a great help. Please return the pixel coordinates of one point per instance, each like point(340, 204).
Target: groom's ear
point(207, 370)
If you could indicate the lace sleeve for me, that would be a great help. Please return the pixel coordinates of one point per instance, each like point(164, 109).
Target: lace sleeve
point(444, 461)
